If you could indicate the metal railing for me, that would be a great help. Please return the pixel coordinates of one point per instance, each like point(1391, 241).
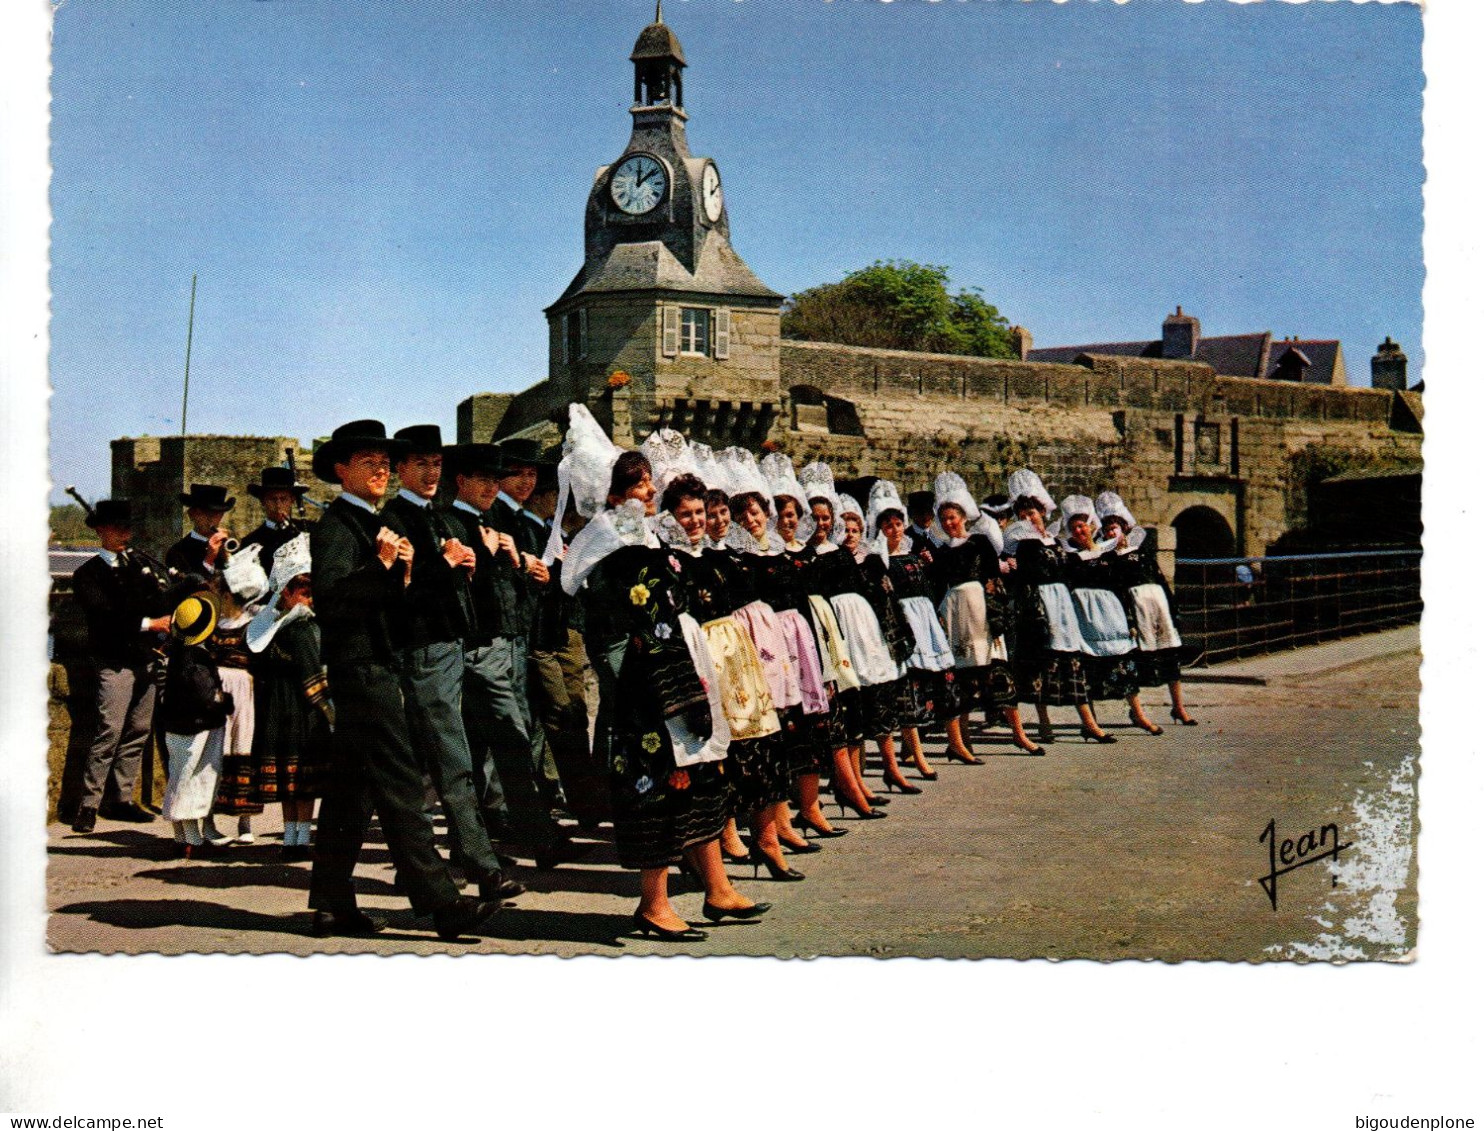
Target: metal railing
point(1233, 607)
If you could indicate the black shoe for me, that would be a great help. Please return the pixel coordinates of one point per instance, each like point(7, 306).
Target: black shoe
point(564, 851)
point(126, 811)
point(877, 800)
point(1187, 721)
point(497, 887)
point(806, 828)
point(863, 814)
point(1030, 751)
point(347, 924)
point(717, 914)
point(760, 859)
point(799, 849)
point(86, 820)
point(742, 858)
point(1089, 735)
point(1152, 728)
point(688, 934)
point(904, 786)
point(460, 917)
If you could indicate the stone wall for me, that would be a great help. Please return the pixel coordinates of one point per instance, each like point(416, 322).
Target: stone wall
point(154, 471)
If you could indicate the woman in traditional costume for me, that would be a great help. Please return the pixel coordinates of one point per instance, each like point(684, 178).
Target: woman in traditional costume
point(1048, 665)
point(967, 578)
point(1107, 635)
point(667, 729)
point(1135, 575)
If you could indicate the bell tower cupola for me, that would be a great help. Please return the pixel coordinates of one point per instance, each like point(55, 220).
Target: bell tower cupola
point(664, 315)
point(658, 61)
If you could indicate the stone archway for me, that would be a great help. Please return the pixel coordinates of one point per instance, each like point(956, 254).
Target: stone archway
point(1203, 532)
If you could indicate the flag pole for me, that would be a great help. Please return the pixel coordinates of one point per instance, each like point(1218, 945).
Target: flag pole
point(185, 395)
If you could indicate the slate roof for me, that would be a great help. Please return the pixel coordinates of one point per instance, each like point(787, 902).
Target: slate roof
point(657, 41)
point(652, 266)
point(1323, 358)
point(1234, 355)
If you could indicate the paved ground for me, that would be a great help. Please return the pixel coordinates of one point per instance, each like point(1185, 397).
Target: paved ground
point(1148, 848)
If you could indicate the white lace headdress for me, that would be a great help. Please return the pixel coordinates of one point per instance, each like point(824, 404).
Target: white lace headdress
point(778, 470)
point(883, 498)
point(670, 455)
point(817, 481)
point(1080, 505)
point(245, 576)
point(740, 468)
point(1111, 503)
point(949, 488)
point(583, 475)
point(1027, 482)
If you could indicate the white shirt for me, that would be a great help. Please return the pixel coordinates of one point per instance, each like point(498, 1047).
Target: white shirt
point(413, 498)
point(463, 506)
point(356, 500)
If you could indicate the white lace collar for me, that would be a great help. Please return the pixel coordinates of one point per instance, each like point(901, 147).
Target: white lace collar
point(609, 531)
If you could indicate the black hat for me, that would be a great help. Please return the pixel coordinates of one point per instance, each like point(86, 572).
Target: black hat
point(919, 501)
point(996, 504)
point(467, 459)
point(522, 451)
point(110, 512)
point(277, 479)
point(422, 439)
point(208, 497)
point(345, 441)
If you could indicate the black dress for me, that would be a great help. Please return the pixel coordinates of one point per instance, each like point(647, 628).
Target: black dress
point(931, 696)
point(776, 580)
point(291, 738)
point(879, 705)
point(237, 790)
point(1045, 674)
point(1127, 571)
point(1108, 677)
point(715, 584)
point(976, 562)
point(633, 600)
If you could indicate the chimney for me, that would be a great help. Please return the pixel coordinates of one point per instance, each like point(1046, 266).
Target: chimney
point(1020, 341)
point(1389, 367)
point(1182, 336)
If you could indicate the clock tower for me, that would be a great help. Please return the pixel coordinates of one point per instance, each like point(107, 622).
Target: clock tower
point(664, 315)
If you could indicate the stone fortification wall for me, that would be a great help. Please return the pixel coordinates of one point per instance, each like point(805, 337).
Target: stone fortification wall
point(153, 472)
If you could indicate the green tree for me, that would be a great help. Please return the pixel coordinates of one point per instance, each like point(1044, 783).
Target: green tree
point(68, 528)
point(897, 304)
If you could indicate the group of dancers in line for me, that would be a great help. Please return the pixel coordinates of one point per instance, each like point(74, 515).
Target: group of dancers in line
point(751, 628)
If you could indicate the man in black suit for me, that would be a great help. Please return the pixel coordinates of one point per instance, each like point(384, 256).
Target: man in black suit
point(497, 710)
point(125, 602)
point(278, 492)
point(920, 514)
point(201, 551)
point(361, 573)
point(433, 621)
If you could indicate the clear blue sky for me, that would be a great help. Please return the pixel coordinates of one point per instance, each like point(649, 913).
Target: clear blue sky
point(380, 197)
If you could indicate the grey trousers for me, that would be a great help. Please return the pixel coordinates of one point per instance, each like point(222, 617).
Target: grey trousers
point(505, 743)
point(126, 707)
point(433, 691)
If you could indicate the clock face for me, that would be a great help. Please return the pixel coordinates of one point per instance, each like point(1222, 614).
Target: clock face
point(638, 184)
point(711, 193)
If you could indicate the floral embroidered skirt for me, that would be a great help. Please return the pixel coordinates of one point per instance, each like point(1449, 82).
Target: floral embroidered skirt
point(1056, 679)
point(1111, 677)
point(660, 813)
